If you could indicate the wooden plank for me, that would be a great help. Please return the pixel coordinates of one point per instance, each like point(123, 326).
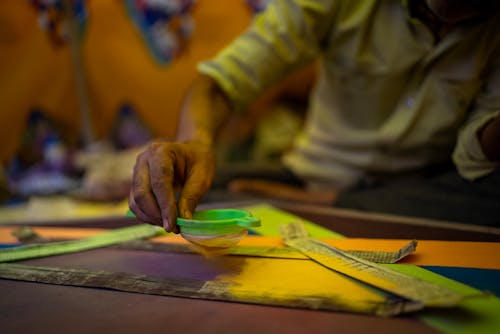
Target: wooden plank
point(199, 289)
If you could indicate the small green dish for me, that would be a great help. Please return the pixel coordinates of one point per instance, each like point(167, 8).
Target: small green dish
point(217, 228)
point(217, 221)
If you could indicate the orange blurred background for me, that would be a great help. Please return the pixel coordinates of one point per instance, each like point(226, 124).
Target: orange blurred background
point(117, 64)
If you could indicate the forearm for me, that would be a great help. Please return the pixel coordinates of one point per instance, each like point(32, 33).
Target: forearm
point(204, 111)
point(489, 138)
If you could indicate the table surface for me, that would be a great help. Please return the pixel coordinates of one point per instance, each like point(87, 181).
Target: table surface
point(40, 308)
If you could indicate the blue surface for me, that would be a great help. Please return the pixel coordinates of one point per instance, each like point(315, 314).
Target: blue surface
point(8, 245)
point(482, 279)
point(252, 232)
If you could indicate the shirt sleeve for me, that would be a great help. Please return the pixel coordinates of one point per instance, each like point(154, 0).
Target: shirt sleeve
point(468, 155)
point(284, 37)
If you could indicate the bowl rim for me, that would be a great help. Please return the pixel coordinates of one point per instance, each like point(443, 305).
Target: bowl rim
point(246, 221)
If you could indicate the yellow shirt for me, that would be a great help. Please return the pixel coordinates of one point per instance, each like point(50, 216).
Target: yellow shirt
point(389, 99)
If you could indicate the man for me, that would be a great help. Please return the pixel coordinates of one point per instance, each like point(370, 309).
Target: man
point(398, 81)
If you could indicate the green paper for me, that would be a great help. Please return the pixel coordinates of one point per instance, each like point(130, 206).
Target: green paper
point(271, 218)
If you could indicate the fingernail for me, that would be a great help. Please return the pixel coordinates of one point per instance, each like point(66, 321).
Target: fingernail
point(166, 224)
point(187, 214)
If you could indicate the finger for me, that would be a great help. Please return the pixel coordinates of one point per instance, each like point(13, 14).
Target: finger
point(137, 211)
point(197, 184)
point(143, 199)
point(162, 163)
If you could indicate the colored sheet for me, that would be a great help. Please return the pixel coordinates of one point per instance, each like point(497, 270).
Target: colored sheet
point(465, 254)
point(271, 218)
point(482, 279)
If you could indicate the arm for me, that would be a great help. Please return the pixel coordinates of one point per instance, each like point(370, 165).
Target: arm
point(205, 110)
point(187, 165)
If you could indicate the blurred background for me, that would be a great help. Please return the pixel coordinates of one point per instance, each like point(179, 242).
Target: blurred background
point(85, 84)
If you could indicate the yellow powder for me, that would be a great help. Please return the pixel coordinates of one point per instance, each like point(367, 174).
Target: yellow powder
point(300, 283)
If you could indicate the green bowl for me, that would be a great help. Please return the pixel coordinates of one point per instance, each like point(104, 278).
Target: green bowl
point(217, 228)
point(217, 221)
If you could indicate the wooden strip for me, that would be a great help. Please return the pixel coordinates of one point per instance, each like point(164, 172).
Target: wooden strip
point(199, 289)
point(272, 252)
point(29, 236)
point(101, 240)
point(257, 251)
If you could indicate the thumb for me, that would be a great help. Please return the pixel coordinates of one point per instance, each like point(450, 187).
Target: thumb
point(197, 184)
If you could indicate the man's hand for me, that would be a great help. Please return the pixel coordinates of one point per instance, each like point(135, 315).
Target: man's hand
point(163, 168)
point(489, 137)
